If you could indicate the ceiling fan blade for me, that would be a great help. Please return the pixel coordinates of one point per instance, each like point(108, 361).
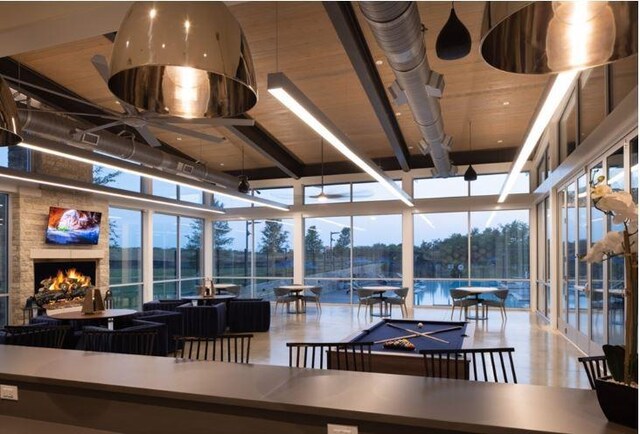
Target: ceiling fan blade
point(103, 127)
point(330, 196)
point(214, 122)
point(186, 132)
point(148, 137)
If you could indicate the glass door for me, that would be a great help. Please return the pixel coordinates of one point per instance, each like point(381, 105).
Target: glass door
point(596, 285)
point(582, 287)
point(615, 265)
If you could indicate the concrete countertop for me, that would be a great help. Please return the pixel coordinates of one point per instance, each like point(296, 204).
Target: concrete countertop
point(404, 400)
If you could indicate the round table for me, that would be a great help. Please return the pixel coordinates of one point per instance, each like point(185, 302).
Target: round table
point(297, 291)
point(476, 291)
point(108, 314)
point(380, 289)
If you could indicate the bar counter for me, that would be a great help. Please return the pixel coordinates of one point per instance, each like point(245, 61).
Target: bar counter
point(138, 394)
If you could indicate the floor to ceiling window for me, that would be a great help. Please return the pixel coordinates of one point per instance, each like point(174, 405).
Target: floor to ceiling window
point(257, 255)
point(177, 255)
point(343, 254)
point(125, 257)
point(480, 248)
point(4, 260)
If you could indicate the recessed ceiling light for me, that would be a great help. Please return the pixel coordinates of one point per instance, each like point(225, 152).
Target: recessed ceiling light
point(500, 141)
point(379, 62)
point(410, 147)
point(178, 138)
point(506, 103)
point(398, 114)
point(117, 102)
point(222, 164)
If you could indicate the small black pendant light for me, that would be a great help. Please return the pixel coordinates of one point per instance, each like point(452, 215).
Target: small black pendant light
point(470, 174)
point(454, 40)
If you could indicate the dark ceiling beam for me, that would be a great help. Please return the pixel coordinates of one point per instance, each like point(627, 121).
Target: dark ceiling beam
point(260, 140)
point(11, 68)
point(461, 159)
point(355, 45)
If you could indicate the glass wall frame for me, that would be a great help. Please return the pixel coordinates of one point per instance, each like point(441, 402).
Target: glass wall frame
point(125, 257)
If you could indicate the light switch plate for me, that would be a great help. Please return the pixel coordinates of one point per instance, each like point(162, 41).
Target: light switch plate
point(341, 429)
point(8, 392)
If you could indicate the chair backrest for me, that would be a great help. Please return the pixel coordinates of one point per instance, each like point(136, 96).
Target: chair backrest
point(233, 348)
point(316, 291)
point(402, 292)
point(36, 336)
point(481, 364)
point(458, 294)
point(364, 293)
point(502, 294)
point(344, 356)
point(119, 341)
point(595, 367)
point(280, 292)
point(203, 321)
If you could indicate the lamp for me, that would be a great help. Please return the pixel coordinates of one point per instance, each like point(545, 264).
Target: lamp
point(243, 185)
point(291, 97)
point(454, 40)
point(186, 59)
point(470, 174)
point(552, 37)
point(9, 122)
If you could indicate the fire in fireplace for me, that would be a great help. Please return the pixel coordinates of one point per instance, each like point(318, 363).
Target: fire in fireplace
point(62, 284)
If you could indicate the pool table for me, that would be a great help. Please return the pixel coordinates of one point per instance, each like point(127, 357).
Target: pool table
point(411, 362)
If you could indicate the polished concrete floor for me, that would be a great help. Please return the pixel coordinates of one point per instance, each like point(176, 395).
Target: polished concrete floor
point(542, 356)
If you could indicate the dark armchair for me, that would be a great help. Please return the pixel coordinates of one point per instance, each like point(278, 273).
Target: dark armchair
point(203, 321)
point(249, 315)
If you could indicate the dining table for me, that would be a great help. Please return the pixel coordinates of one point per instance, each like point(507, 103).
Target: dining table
point(476, 291)
point(297, 291)
point(380, 290)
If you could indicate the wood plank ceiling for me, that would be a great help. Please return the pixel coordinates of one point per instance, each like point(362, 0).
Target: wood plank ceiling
point(298, 39)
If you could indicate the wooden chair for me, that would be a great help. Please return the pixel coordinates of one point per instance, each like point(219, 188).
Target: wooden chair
point(232, 348)
point(501, 296)
point(399, 300)
point(119, 341)
point(482, 364)
point(313, 297)
point(595, 367)
point(283, 297)
point(459, 299)
point(344, 356)
point(365, 299)
point(36, 336)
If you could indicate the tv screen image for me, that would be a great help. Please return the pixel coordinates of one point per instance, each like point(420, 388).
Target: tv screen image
point(73, 226)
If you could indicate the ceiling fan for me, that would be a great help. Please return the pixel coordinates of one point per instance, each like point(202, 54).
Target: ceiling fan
point(142, 120)
point(324, 197)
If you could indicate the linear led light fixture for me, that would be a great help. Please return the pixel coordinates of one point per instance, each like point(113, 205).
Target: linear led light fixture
point(561, 86)
point(88, 157)
point(291, 97)
point(70, 184)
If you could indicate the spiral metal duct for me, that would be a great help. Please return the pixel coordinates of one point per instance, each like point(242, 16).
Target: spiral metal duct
point(50, 126)
point(397, 29)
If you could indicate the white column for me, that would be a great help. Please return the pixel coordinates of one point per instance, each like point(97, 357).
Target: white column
point(298, 248)
point(407, 241)
point(207, 247)
point(147, 258)
point(554, 272)
point(407, 254)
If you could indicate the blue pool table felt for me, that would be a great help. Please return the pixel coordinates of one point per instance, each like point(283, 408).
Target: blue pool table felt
point(381, 331)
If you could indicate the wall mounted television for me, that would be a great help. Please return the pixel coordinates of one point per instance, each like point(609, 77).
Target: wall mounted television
point(67, 226)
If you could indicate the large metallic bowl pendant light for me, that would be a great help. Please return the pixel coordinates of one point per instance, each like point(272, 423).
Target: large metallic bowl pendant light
point(186, 59)
point(10, 129)
point(454, 40)
point(552, 37)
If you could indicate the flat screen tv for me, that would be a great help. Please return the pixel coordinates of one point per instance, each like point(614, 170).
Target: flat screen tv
point(72, 226)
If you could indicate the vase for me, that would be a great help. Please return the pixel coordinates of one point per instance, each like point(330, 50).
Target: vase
point(618, 402)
